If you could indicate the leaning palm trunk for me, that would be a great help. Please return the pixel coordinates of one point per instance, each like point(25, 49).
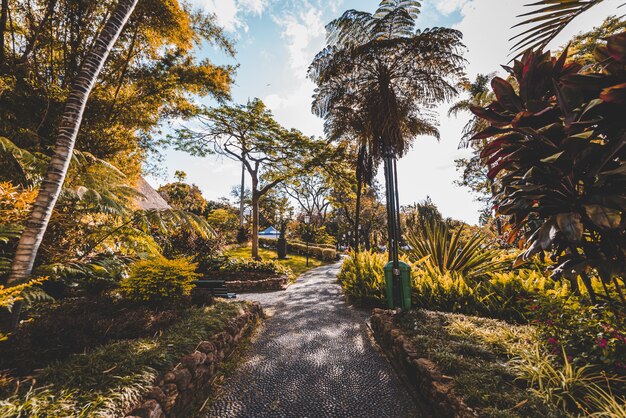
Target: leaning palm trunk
point(52, 184)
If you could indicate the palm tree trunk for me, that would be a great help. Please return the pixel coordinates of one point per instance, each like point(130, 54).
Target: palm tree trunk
point(52, 184)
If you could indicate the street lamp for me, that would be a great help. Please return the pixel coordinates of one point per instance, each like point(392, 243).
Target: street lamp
point(307, 221)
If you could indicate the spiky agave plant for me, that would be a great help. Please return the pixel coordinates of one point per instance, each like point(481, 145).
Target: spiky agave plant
point(442, 251)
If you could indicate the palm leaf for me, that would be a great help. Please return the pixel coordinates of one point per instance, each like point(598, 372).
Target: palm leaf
point(548, 20)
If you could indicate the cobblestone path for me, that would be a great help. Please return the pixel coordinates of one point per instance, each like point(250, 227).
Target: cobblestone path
point(313, 358)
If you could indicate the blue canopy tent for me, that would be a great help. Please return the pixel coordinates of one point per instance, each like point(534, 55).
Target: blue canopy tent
point(270, 233)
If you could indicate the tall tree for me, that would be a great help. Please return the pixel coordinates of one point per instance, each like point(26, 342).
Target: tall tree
point(151, 75)
point(250, 135)
point(392, 74)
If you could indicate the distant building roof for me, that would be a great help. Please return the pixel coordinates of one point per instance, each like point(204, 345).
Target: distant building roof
point(271, 231)
point(152, 199)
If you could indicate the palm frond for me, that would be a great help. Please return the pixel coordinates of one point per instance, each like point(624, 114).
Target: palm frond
point(548, 19)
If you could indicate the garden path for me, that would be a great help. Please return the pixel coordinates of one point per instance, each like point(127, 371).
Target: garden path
point(313, 358)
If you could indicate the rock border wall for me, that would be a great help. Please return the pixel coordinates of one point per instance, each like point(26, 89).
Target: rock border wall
point(176, 390)
point(434, 389)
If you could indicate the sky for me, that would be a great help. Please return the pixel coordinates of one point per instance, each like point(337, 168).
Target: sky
point(276, 40)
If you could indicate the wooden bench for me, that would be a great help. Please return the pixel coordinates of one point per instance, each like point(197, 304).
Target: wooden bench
point(217, 288)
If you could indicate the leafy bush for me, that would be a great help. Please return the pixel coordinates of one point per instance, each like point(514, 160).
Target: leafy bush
point(248, 265)
point(589, 334)
point(321, 253)
point(159, 280)
point(362, 277)
point(556, 154)
point(499, 295)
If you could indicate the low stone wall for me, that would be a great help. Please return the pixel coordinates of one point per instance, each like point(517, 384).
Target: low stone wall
point(262, 285)
point(177, 389)
point(432, 386)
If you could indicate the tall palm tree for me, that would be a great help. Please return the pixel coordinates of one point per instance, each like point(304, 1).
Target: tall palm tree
point(52, 183)
point(549, 19)
point(380, 67)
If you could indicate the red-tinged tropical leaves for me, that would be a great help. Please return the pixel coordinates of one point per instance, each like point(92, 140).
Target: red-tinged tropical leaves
point(551, 157)
point(570, 225)
point(502, 152)
point(490, 115)
point(541, 240)
point(614, 94)
point(489, 132)
point(616, 47)
point(493, 173)
point(604, 217)
point(506, 95)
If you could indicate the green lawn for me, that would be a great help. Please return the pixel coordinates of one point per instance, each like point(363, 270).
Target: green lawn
point(296, 262)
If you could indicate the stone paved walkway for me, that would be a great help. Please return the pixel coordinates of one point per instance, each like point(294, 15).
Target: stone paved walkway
point(313, 358)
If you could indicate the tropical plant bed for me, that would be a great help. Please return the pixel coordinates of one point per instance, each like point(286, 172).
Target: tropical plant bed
point(53, 331)
point(459, 364)
point(157, 375)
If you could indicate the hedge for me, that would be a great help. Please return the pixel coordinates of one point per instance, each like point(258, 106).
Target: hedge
point(323, 252)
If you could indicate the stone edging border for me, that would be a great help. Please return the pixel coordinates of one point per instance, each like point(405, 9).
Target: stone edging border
point(434, 389)
point(175, 391)
point(272, 283)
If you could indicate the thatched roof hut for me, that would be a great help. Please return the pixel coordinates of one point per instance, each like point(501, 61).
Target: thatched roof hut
point(152, 199)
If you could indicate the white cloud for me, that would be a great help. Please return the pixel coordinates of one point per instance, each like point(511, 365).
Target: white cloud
point(254, 6)
point(231, 14)
point(448, 6)
point(304, 33)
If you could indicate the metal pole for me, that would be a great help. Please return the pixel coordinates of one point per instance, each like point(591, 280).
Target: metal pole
point(307, 253)
point(393, 219)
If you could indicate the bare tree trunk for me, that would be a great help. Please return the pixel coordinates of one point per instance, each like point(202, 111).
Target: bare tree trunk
point(255, 222)
point(242, 194)
point(36, 226)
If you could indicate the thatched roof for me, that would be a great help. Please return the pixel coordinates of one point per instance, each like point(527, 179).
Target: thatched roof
point(152, 200)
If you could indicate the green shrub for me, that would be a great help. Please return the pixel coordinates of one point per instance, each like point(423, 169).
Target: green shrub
point(362, 277)
point(248, 265)
point(505, 296)
point(321, 253)
point(159, 280)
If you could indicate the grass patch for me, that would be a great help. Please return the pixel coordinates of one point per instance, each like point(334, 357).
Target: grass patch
point(475, 352)
point(112, 378)
point(296, 262)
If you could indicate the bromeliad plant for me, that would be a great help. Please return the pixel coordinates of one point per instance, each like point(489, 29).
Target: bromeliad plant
point(556, 153)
